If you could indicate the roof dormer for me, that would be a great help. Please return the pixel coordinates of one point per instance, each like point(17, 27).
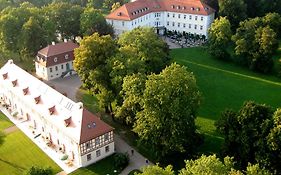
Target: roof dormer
point(15, 82)
point(37, 99)
point(52, 110)
point(67, 122)
point(5, 76)
point(25, 91)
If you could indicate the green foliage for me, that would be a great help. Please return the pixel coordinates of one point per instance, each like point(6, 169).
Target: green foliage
point(256, 170)
point(121, 160)
point(234, 10)
point(219, 37)
point(170, 102)
point(92, 20)
point(39, 171)
point(115, 6)
point(256, 43)
point(156, 169)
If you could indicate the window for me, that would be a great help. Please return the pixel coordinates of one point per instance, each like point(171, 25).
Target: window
point(123, 23)
point(195, 26)
point(196, 17)
point(190, 17)
point(183, 25)
point(202, 18)
point(184, 16)
point(168, 15)
point(97, 141)
point(173, 24)
point(201, 27)
point(55, 59)
point(179, 24)
point(87, 145)
point(179, 15)
point(56, 68)
point(89, 157)
point(66, 56)
point(98, 153)
point(106, 137)
point(167, 23)
point(107, 149)
point(62, 66)
point(173, 15)
point(51, 70)
point(189, 26)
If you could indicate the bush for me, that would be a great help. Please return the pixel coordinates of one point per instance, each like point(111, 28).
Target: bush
point(121, 161)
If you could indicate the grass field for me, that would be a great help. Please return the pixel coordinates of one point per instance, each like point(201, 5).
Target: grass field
point(19, 153)
point(224, 85)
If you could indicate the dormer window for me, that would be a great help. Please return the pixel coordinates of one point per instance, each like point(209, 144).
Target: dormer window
point(119, 14)
point(52, 110)
point(66, 56)
point(37, 99)
point(206, 8)
point(5, 76)
point(67, 122)
point(178, 7)
point(183, 7)
point(192, 8)
point(55, 59)
point(14, 83)
point(198, 9)
point(173, 6)
point(25, 91)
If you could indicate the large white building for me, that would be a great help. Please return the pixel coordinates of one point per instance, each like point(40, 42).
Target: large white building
point(55, 60)
point(190, 16)
point(61, 124)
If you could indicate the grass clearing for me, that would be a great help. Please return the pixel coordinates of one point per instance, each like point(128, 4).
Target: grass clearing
point(102, 167)
point(4, 122)
point(224, 85)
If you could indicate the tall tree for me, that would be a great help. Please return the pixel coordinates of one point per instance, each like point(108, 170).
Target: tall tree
point(93, 21)
point(150, 48)
point(219, 38)
point(170, 102)
point(234, 10)
point(273, 20)
point(90, 64)
point(115, 6)
point(245, 134)
point(156, 169)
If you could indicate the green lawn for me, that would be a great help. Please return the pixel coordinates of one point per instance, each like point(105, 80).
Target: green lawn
point(4, 122)
point(224, 85)
point(19, 153)
point(102, 167)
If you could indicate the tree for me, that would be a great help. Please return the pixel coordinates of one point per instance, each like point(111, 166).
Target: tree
point(121, 160)
point(256, 43)
point(245, 132)
point(150, 48)
point(90, 64)
point(169, 103)
point(115, 6)
point(156, 169)
point(210, 165)
point(219, 37)
point(234, 10)
point(273, 20)
point(39, 171)
point(93, 21)
point(66, 18)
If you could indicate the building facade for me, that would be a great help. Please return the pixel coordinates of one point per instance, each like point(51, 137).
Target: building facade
point(55, 61)
point(63, 125)
point(190, 16)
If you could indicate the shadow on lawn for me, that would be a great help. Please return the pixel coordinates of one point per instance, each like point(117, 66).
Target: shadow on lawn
point(13, 165)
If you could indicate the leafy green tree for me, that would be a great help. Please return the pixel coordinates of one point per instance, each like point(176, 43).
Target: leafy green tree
point(210, 165)
point(219, 37)
point(90, 64)
point(256, 43)
point(256, 170)
point(121, 160)
point(156, 169)
point(39, 171)
point(66, 18)
point(4, 4)
point(245, 132)
point(170, 102)
point(93, 21)
point(234, 10)
point(115, 6)
point(150, 48)
point(273, 20)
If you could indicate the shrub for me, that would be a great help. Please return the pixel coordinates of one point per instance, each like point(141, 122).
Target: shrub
point(121, 160)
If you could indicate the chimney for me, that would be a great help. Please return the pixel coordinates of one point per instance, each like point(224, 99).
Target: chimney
point(53, 43)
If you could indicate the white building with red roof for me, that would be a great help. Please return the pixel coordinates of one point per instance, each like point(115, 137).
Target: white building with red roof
point(55, 60)
point(62, 125)
point(190, 16)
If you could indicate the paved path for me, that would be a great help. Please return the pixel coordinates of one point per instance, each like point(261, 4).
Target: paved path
point(70, 85)
point(10, 129)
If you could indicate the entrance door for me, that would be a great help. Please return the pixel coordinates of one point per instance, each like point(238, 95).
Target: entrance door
point(67, 66)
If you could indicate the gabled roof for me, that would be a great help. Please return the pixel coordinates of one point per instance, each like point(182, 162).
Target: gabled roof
point(92, 127)
point(58, 48)
point(70, 117)
point(136, 9)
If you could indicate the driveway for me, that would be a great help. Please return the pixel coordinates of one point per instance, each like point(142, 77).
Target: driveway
point(68, 85)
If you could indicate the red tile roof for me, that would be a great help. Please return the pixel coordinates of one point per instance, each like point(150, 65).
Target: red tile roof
point(92, 127)
point(139, 8)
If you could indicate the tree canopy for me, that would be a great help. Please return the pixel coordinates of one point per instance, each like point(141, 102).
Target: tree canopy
point(39, 171)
